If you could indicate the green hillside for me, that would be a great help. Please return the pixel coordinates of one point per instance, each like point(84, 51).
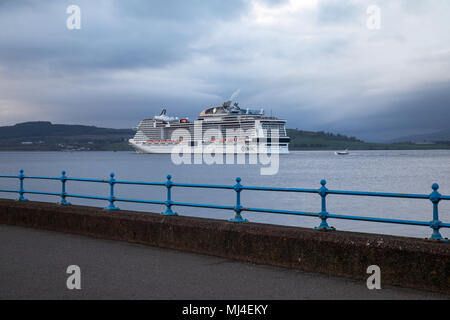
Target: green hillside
point(45, 136)
point(309, 140)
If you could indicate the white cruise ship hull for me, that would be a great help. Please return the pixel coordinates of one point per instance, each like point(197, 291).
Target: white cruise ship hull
point(238, 148)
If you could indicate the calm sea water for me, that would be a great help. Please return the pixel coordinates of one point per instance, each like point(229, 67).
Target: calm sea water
point(382, 171)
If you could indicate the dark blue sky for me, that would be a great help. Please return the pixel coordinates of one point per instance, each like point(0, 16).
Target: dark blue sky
point(312, 62)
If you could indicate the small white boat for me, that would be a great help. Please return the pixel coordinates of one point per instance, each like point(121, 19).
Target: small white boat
point(342, 153)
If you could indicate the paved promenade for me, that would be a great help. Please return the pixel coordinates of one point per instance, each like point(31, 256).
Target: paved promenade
point(33, 265)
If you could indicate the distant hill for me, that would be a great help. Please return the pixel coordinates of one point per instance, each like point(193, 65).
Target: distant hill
point(440, 136)
point(310, 140)
point(46, 128)
point(45, 136)
point(301, 139)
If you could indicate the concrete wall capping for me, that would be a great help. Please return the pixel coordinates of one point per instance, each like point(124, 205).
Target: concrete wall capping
point(407, 262)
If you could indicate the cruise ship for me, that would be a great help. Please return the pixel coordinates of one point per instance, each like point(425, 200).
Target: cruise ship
point(221, 129)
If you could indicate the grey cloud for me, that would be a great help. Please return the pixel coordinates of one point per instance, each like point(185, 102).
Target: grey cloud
point(132, 34)
point(421, 110)
point(337, 11)
point(192, 10)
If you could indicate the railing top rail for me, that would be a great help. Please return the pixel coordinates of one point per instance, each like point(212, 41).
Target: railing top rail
point(140, 183)
point(192, 185)
point(41, 177)
point(88, 180)
point(379, 194)
point(255, 188)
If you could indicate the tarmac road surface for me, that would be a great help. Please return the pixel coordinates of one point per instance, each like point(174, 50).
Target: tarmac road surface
point(33, 265)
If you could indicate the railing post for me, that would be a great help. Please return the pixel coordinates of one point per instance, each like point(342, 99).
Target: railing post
point(21, 191)
point(323, 191)
point(238, 208)
point(169, 211)
point(63, 189)
point(435, 197)
point(111, 182)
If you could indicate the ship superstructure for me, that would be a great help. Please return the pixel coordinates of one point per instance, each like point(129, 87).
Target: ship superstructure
point(220, 129)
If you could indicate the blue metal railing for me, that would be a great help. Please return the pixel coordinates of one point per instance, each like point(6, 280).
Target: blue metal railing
point(435, 197)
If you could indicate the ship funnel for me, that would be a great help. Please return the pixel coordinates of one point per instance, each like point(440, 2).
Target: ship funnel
point(226, 104)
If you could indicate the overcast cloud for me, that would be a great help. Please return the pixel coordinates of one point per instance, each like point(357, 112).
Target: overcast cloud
point(312, 62)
